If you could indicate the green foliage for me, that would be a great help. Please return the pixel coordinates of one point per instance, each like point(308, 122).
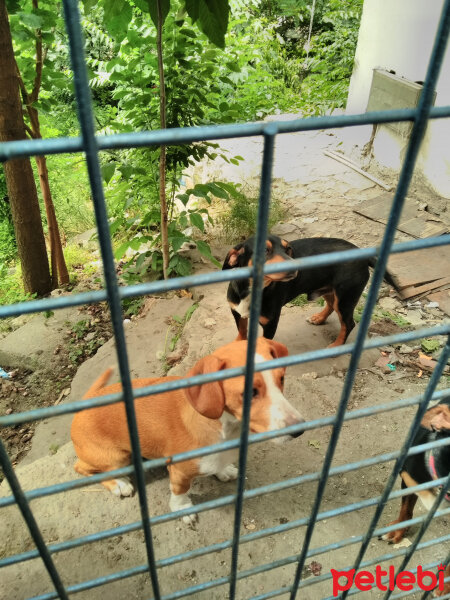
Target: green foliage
point(322, 75)
point(301, 300)
point(212, 17)
point(11, 286)
point(8, 247)
point(132, 306)
point(330, 64)
point(239, 219)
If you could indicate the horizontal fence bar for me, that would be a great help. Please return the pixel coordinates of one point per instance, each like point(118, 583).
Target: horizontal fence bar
point(250, 537)
point(223, 446)
point(281, 563)
point(158, 287)
point(322, 578)
point(187, 135)
point(288, 361)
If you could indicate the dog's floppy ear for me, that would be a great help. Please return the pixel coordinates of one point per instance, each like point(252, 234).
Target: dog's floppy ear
point(232, 258)
point(207, 399)
point(287, 248)
point(441, 421)
point(277, 350)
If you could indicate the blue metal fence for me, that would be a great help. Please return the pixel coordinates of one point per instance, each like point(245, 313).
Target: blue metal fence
point(91, 144)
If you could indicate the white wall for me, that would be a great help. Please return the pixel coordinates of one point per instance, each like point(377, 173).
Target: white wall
point(398, 35)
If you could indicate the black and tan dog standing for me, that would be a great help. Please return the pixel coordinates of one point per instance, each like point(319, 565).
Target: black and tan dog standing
point(341, 285)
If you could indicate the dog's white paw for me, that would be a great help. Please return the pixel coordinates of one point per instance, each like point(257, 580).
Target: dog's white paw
point(123, 487)
point(180, 501)
point(229, 473)
point(190, 519)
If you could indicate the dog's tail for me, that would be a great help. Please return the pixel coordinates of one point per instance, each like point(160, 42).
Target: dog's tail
point(387, 276)
point(99, 384)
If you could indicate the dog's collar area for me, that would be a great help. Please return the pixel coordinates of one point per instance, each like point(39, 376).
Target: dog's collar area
point(431, 466)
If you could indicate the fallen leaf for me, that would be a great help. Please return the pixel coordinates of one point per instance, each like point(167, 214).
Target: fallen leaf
point(315, 444)
point(405, 543)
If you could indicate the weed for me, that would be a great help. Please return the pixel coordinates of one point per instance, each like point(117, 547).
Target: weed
point(379, 314)
point(79, 262)
point(53, 448)
point(239, 220)
point(300, 300)
point(80, 328)
point(132, 306)
point(176, 326)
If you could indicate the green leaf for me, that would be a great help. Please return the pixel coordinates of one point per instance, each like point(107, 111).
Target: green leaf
point(197, 221)
point(118, 14)
point(12, 6)
point(204, 249)
point(217, 191)
point(188, 32)
point(177, 242)
point(140, 259)
point(184, 198)
point(89, 5)
point(31, 19)
point(212, 16)
point(153, 9)
point(430, 345)
point(137, 242)
point(234, 67)
point(108, 171)
point(120, 251)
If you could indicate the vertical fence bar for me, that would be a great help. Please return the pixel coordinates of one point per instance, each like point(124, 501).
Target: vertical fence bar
point(85, 117)
point(421, 532)
point(417, 134)
point(259, 259)
point(28, 516)
point(421, 409)
point(427, 594)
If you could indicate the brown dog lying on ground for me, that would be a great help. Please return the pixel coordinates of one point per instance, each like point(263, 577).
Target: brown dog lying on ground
point(424, 467)
point(181, 420)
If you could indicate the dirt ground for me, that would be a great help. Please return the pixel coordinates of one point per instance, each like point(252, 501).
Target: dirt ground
point(319, 195)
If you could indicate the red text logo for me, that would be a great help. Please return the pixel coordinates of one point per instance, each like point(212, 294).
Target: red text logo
point(387, 580)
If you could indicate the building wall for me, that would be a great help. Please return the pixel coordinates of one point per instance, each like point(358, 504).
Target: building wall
point(398, 35)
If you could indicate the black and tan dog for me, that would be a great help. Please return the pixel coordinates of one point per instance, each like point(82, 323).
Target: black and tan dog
point(341, 284)
point(425, 467)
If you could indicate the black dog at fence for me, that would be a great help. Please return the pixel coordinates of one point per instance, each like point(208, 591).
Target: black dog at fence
point(422, 468)
point(341, 284)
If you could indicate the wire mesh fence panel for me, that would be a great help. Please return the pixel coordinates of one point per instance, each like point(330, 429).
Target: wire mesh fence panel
point(237, 567)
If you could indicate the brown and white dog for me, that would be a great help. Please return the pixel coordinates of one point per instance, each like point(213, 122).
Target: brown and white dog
point(181, 420)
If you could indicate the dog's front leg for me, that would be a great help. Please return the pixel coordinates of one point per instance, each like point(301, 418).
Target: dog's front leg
point(180, 485)
point(228, 473)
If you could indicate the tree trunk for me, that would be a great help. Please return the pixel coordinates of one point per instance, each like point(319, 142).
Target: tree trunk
point(59, 269)
point(58, 264)
point(19, 175)
point(162, 158)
